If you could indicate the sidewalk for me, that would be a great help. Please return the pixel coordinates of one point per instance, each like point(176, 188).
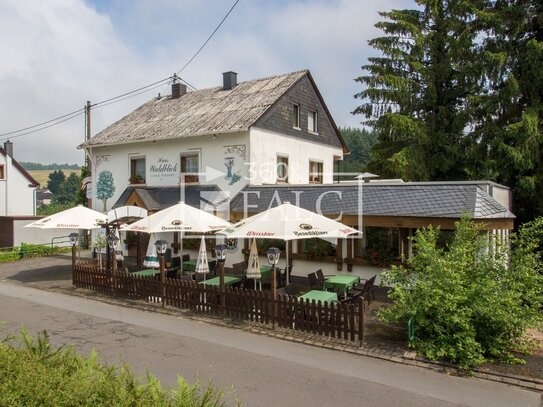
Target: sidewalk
point(381, 341)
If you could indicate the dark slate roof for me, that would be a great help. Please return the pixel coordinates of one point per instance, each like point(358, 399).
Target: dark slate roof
point(442, 200)
point(158, 198)
point(43, 193)
point(205, 111)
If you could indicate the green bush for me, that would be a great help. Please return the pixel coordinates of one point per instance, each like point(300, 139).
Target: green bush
point(36, 374)
point(9, 255)
point(35, 250)
point(469, 303)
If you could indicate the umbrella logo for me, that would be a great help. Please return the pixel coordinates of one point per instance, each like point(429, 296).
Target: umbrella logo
point(305, 226)
point(100, 221)
point(177, 222)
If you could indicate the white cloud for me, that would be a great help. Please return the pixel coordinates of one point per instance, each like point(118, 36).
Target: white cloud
point(60, 53)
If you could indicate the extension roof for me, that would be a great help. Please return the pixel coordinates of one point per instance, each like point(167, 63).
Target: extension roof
point(429, 200)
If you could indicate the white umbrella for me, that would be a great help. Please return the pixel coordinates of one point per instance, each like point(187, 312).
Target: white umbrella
point(119, 253)
point(288, 222)
point(178, 218)
point(202, 265)
point(253, 271)
point(78, 217)
point(151, 256)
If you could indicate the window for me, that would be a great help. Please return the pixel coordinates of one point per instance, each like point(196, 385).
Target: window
point(312, 122)
point(2, 175)
point(315, 172)
point(296, 116)
point(282, 169)
point(137, 170)
point(190, 167)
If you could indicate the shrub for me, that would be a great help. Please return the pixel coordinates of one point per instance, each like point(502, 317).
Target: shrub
point(36, 374)
point(469, 303)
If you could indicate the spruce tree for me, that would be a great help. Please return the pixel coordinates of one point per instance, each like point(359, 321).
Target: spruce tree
point(416, 92)
point(508, 122)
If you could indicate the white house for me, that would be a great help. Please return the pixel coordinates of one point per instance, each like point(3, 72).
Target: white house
point(255, 143)
point(17, 186)
point(264, 131)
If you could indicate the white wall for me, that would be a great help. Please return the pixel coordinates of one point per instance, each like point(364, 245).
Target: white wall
point(37, 236)
point(266, 145)
point(16, 197)
point(213, 151)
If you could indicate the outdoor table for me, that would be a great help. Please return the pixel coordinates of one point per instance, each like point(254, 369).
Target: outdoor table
point(228, 280)
point(190, 265)
point(319, 295)
point(342, 282)
point(146, 272)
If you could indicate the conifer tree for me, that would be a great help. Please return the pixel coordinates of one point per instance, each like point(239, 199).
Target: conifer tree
point(416, 92)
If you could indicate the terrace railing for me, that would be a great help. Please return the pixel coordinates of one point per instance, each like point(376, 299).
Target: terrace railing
point(334, 320)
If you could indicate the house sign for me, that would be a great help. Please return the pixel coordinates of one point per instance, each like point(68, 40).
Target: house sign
point(163, 168)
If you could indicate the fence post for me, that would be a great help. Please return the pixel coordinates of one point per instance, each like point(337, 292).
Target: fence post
point(113, 271)
point(74, 261)
point(361, 305)
point(162, 279)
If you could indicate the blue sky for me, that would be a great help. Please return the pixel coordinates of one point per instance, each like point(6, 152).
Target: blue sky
point(60, 53)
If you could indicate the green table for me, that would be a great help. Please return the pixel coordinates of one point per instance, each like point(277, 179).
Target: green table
point(341, 282)
point(228, 280)
point(147, 272)
point(319, 295)
point(190, 265)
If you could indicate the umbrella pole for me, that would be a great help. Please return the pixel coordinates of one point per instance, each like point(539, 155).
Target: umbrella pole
point(286, 268)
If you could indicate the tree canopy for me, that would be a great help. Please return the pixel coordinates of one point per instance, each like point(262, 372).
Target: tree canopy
point(456, 93)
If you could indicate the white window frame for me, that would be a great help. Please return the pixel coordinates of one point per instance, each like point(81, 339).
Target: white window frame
point(194, 153)
point(285, 179)
point(313, 118)
point(296, 118)
point(321, 176)
point(132, 168)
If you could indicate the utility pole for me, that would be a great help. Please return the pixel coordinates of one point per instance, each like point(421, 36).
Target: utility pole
point(87, 138)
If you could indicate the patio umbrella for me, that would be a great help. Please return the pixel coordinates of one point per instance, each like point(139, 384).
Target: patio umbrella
point(151, 256)
point(119, 253)
point(202, 266)
point(253, 271)
point(178, 218)
point(288, 222)
point(78, 217)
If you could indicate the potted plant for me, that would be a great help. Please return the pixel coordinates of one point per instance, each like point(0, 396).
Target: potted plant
point(136, 179)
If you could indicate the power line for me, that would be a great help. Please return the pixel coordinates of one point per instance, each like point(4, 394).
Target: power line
point(132, 91)
point(40, 124)
point(68, 116)
point(73, 115)
point(209, 38)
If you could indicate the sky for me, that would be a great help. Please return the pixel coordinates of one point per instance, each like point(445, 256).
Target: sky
point(57, 54)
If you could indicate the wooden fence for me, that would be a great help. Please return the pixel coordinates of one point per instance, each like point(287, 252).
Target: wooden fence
point(335, 320)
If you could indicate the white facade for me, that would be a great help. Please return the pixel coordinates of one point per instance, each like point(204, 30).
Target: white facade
point(230, 161)
point(17, 194)
point(266, 146)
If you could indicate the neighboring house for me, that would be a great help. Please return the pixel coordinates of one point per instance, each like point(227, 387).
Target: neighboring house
point(17, 186)
point(43, 197)
point(240, 148)
point(17, 197)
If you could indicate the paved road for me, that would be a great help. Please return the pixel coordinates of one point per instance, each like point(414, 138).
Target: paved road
point(261, 371)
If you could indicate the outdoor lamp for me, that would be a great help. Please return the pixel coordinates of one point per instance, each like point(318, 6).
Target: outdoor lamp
point(273, 254)
point(220, 252)
point(161, 246)
point(113, 242)
point(74, 237)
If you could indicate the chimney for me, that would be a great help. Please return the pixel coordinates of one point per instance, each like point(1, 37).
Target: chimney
point(8, 148)
point(178, 90)
point(229, 80)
